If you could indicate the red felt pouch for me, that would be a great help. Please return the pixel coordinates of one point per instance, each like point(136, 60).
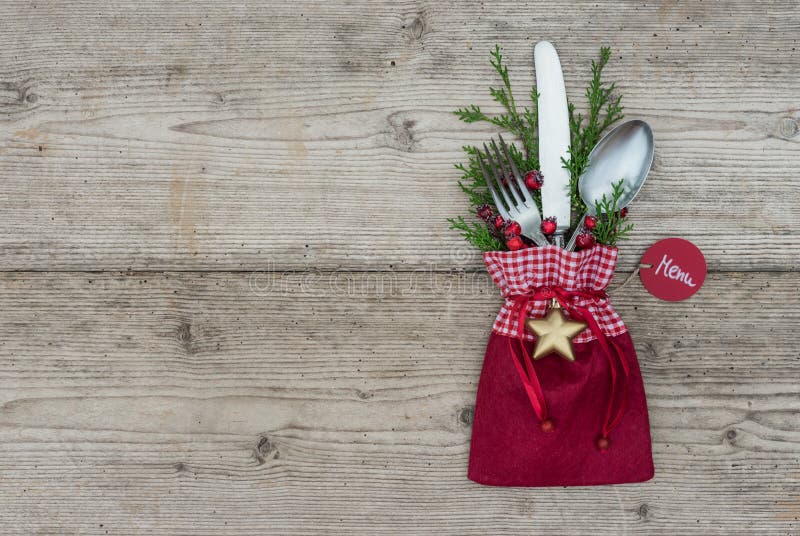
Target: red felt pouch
point(552, 422)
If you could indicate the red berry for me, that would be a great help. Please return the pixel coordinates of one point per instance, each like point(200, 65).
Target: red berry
point(590, 222)
point(549, 225)
point(534, 179)
point(584, 240)
point(485, 212)
point(498, 222)
point(514, 243)
point(512, 229)
point(623, 212)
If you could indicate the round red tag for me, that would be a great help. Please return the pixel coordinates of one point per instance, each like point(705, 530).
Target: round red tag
point(677, 270)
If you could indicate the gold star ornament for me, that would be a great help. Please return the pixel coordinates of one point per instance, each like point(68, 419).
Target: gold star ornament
point(554, 333)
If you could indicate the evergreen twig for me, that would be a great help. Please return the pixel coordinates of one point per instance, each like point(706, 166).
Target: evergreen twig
point(611, 225)
point(520, 123)
point(477, 234)
point(604, 109)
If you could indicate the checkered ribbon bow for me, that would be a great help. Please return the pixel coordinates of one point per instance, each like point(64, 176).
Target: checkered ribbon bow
point(523, 272)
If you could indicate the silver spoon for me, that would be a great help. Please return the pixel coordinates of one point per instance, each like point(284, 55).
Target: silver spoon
point(624, 153)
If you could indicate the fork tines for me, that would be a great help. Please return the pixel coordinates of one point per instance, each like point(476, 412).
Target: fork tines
point(509, 192)
point(505, 182)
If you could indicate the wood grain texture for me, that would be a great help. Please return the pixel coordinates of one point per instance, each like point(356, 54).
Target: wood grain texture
point(232, 403)
point(230, 303)
point(168, 135)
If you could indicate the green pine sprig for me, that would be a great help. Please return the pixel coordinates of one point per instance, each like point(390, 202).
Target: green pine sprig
point(611, 225)
point(477, 234)
point(472, 181)
point(605, 108)
point(520, 123)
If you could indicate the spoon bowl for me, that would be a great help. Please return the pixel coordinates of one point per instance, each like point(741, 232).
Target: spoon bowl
point(626, 153)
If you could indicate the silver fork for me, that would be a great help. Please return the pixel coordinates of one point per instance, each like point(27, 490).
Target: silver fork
point(519, 204)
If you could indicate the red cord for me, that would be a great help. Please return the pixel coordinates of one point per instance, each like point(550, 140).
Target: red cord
point(530, 380)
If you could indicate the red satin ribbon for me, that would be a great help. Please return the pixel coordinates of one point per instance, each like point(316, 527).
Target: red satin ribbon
point(527, 372)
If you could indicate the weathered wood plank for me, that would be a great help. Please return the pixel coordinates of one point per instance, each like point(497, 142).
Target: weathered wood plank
point(159, 136)
point(173, 135)
point(340, 402)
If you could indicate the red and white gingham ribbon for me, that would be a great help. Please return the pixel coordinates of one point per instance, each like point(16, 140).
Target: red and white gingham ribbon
point(524, 271)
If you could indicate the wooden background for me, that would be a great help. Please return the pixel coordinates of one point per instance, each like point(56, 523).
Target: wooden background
point(230, 302)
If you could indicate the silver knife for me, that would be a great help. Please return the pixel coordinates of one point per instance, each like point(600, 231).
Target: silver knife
point(553, 137)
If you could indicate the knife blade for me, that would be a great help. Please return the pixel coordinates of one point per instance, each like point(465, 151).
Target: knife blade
point(553, 137)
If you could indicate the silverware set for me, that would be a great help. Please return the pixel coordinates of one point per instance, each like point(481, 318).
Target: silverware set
point(625, 153)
